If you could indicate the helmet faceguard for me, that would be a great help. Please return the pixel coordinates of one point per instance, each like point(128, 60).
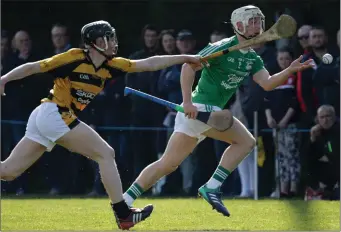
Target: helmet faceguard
point(243, 15)
point(99, 29)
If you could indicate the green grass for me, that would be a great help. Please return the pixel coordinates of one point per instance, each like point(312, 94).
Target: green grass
point(170, 214)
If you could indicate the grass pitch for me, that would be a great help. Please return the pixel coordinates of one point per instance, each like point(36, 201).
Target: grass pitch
point(170, 214)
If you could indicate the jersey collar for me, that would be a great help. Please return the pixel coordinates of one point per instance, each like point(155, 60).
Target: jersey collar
point(88, 59)
point(236, 41)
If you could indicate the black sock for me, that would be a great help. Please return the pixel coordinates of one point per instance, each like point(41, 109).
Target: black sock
point(121, 209)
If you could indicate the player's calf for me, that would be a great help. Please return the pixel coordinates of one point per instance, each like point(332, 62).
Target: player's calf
point(25, 153)
point(149, 176)
point(242, 142)
point(178, 148)
point(6, 174)
point(5, 177)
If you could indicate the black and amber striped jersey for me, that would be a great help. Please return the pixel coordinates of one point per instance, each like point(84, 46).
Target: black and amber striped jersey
point(77, 81)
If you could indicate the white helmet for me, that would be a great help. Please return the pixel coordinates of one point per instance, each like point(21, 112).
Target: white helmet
point(243, 14)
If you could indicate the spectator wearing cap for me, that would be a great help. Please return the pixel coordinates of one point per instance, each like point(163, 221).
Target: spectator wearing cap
point(170, 89)
point(185, 42)
point(192, 175)
point(217, 36)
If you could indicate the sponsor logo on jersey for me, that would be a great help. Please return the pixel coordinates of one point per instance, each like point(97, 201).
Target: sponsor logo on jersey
point(230, 59)
point(84, 77)
point(249, 65)
point(245, 62)
point(84, 97)
point(232, 81)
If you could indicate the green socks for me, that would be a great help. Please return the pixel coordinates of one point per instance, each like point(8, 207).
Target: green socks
point(218, 178)
point(134, 191)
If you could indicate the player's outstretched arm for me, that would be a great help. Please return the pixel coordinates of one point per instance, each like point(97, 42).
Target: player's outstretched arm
point(155, 63)
point(268, 82)
point(21, 72)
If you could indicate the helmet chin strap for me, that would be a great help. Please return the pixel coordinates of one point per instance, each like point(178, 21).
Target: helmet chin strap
point(247, 38)
point(101, 50)
point(108, 57)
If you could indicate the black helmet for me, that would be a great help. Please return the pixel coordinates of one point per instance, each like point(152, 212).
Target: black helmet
point(98, 29)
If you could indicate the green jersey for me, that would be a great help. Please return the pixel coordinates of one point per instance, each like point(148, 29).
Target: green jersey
point(221, 79)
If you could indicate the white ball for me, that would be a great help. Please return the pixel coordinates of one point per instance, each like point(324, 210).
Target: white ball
point(327, 58)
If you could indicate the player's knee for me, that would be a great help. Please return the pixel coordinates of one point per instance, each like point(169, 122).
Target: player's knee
point(170, 169)
point(104, 154)
point(109, 154)
point(112, 153)
point(250, 143)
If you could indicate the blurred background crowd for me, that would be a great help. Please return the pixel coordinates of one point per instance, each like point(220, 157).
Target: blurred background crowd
point(305, 109)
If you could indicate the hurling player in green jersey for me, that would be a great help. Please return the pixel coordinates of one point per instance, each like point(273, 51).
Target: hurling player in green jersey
point(218, 82)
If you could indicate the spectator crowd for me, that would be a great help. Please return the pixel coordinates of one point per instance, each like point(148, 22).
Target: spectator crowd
point(308, 161)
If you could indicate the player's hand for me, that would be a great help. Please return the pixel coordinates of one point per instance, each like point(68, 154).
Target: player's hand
point(193, 59)
point(324, 159)
point(195, 62)
point(297, 66)
point(191, 111)
point(271, 122)
point(315, 131)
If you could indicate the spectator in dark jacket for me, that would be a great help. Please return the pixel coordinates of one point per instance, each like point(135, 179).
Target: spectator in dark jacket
point(22, 104)
point(306, 94)
point(169, 80)
point(303, 43)
point(6, 129)
point(60, 38)
point(324, 155)
point(326, 80)
point(169, 89)
point(143, 142)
